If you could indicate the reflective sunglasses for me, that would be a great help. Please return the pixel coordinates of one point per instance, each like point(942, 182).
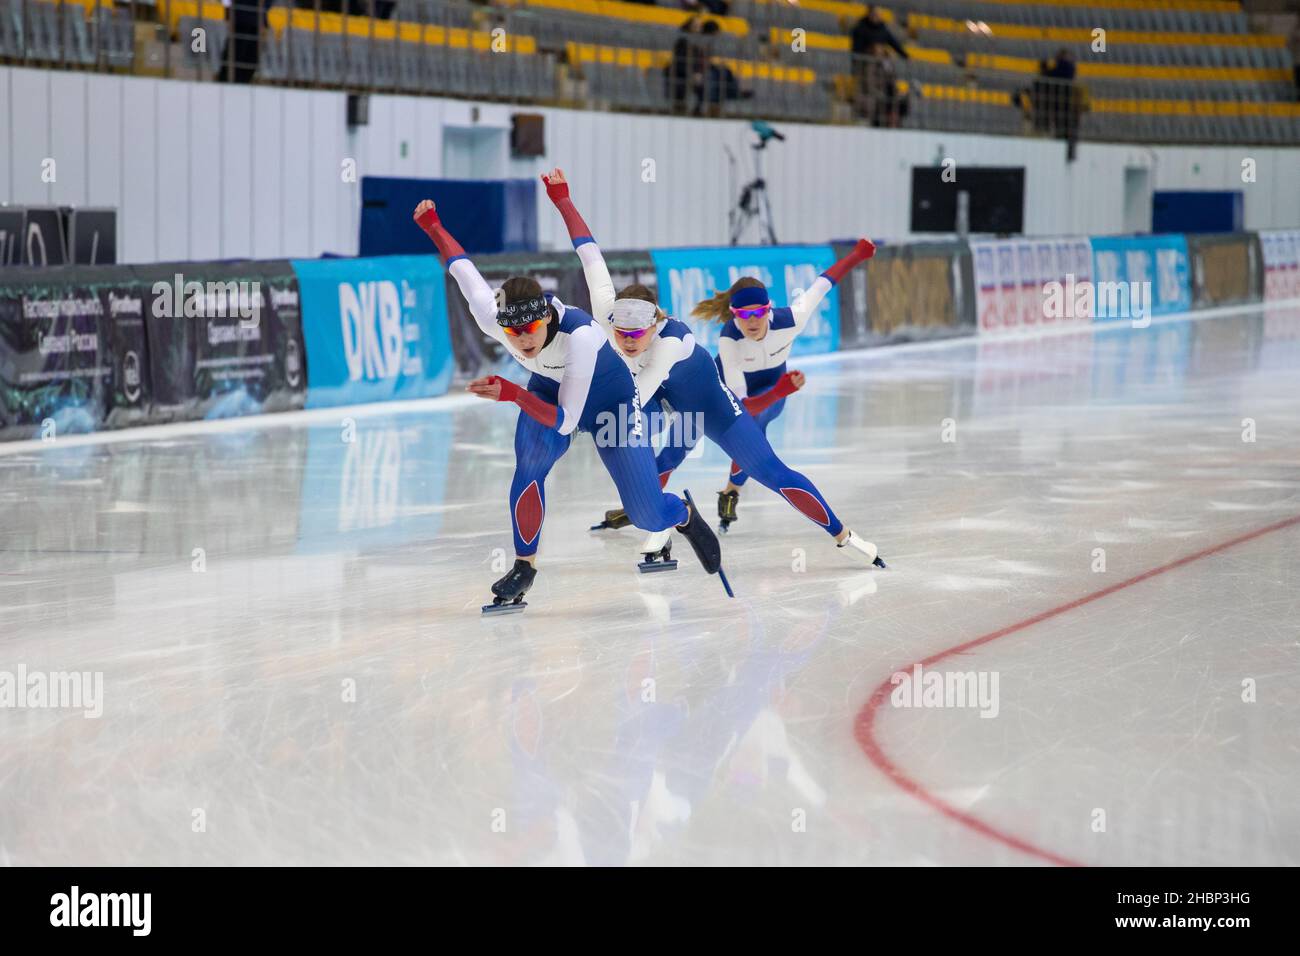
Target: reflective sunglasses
point(530, 329)
point(631, 333)
point(752, 312)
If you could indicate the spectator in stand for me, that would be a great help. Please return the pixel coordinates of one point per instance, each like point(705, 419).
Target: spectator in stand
point(870, 36)
point(1056, 103)
point(684, 74)
point(1295, 57)
point(876, 95)
point(240, 55)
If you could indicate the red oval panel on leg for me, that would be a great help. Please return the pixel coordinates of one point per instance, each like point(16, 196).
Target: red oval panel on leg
point(528, 513)
point(808, 504)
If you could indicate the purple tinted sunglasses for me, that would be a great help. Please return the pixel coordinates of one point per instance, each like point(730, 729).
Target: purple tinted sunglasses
point(631, 333)
point(752, 312)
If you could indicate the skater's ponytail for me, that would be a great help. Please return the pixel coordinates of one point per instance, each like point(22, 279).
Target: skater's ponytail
point(717, 307)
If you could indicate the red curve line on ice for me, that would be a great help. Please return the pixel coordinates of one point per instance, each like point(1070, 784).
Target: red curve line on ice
point(864, 725)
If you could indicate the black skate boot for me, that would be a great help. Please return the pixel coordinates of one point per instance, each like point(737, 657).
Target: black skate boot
point(727, 501)
point(613, 521)
point(511, 589)
point(704, 542)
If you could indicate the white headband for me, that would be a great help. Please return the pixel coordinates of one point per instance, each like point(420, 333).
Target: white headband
point(634, 314)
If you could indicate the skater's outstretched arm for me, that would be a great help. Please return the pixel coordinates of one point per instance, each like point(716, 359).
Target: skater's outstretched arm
point(482, 303)
point(807, 303)
point(787, 384)
point(599, 285)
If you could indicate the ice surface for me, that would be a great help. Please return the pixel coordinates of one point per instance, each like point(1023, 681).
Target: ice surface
point(325, 690)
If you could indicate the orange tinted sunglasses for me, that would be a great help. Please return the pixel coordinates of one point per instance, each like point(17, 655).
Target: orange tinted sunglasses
point(531, 328)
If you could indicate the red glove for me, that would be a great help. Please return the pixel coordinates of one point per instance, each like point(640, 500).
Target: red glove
point(861, 252)
point(559, 194)
point(784, 386)
point(536, 408)
point(448, 247)
point(556, 191)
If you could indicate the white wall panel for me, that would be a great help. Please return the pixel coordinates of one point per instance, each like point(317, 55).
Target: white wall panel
point(69, 144)
point(105, 144)
point(30, 98)
point(295, 205)
point(175, 193)
point(239, 165)
point(267, 161)
point(9, 125)
point(138, 216)
point(207, 173)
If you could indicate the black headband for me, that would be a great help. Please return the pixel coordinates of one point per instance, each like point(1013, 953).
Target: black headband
point(515, 314)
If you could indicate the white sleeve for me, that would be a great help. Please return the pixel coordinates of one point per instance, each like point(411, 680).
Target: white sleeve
point(728, 350)
point(478, 294)
point(664, 354)
point(808, 301)
point(579, 367)
point(599, 285)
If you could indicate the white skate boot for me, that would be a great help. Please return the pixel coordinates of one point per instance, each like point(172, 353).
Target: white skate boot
point(860, 550)
point(658, 552)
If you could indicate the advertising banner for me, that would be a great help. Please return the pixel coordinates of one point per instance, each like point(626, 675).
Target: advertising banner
point(1025, 284)
point(224, 339)
point(687, 276)
point(906, 292)
point(1139, 276)
point(1226, 269)
point(1281, 255)
point(56, 361)
point(375, 329)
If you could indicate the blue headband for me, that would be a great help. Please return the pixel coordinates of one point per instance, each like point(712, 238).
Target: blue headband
point(748, 297)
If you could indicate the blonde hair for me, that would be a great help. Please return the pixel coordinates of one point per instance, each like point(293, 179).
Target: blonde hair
point(717, 307)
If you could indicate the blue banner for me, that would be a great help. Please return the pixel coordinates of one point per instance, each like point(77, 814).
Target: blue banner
point(687, 276)
point(1140, 276)
point(375, 329)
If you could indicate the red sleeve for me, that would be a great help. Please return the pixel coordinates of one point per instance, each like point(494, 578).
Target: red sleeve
point(761, 402)
point(559, 193)
point(448, 247)
point(861, 252)
point(536, 408)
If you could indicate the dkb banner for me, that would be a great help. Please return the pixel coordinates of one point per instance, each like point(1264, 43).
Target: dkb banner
point(906, 292)
point(687, 276)
point(224, 339)
point(1227, 269)
point(375, 329)
point(1150, 275)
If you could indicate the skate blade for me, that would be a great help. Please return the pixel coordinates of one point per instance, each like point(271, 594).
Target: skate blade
point(878, 563)
point(649, 567)
point(725, 583)
point(511, 608)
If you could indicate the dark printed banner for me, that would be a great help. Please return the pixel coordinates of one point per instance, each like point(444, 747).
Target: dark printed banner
point(89, 347)
point(63, 355)
point(906, 293)
point(1227, 269)
point(225, 339)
